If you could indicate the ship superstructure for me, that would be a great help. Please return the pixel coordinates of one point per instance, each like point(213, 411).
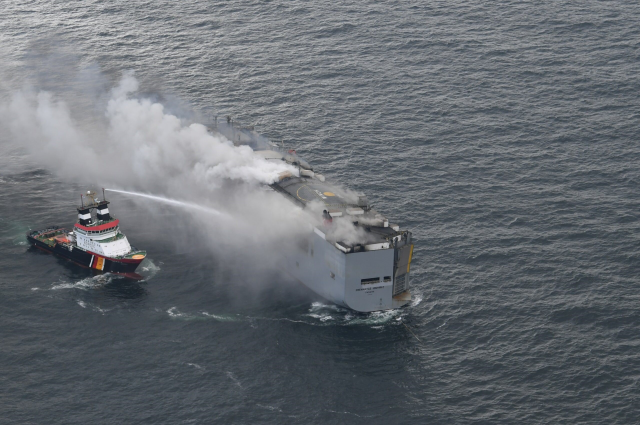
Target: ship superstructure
point(95, 241)
point(356, 258)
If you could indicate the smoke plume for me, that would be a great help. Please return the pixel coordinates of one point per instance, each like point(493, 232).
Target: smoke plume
point(134, 144)
point(138, 145)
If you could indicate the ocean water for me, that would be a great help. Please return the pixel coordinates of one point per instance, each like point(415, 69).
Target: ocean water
point(504, 135)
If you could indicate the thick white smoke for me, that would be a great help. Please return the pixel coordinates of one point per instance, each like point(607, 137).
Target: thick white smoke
point(135, 144)
point(139, 145)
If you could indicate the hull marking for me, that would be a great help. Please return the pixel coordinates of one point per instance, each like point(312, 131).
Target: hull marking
point(410, 255)
point(100, 264)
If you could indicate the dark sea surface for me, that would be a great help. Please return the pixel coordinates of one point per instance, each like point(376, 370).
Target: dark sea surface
point(503, 134)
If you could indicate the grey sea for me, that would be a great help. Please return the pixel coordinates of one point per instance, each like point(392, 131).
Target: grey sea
point(504, 135)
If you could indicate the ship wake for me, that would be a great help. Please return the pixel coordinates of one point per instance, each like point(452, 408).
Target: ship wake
point(318, 314)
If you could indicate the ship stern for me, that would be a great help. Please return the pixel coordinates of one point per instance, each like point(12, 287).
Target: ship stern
point(378, 279)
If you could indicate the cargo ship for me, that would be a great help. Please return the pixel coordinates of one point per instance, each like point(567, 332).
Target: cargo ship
point(368, 272)
point(95, 242)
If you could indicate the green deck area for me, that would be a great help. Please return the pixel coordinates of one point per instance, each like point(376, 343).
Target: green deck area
point(134, 253)
point(48, 237)
point(111, 239)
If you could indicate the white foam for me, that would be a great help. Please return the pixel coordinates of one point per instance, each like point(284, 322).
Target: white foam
point(351, 413)
point(220, 318)
point(376, 318)
point(445, 322)
point(272, 408)
point(82, 304)
point(233, 378)
point(173, 312)
point(86, 283)
point(320, 306)
point(197, 366)
point(148, 268)
point(321, 317)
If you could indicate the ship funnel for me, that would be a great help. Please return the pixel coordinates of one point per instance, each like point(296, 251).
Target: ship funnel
point(103, 211)
point(84, 216)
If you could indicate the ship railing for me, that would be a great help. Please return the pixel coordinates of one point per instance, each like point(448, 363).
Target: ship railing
point(132, 253)
point(101, 222)
point(112, 238)
point(49, 233)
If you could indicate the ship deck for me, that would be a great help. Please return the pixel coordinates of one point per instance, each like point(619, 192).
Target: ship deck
point(311, 188)
point(304, 190)
point(48, 236)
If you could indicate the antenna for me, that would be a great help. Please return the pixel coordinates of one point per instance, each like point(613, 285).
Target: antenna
point(81, 201)
point(103, 196)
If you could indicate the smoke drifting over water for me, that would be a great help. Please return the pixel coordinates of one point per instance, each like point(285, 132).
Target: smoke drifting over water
point(137, 144)
point(133, 143)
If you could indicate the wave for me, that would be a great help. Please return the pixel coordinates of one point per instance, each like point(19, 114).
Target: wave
point(87, 283)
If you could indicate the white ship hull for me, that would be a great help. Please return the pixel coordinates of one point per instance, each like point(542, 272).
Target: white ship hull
point(338, 276)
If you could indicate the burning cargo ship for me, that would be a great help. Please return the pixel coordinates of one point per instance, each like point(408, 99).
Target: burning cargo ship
point(367, 274)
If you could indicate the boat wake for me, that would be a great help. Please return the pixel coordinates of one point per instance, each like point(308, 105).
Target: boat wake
point(87, 283)
point(318, 314)
point(344, 317)
point(174, 313)
point(85, 304)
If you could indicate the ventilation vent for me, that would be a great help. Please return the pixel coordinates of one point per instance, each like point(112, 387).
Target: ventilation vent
point(370, 281)
point(401, 284)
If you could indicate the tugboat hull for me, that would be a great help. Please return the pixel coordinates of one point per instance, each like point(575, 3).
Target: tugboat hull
point(87, 258)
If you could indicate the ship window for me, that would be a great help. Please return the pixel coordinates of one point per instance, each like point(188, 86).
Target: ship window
point(387, 278)
point(369, 281)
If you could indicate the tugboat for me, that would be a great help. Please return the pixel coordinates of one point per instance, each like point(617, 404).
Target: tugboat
point(95, 242)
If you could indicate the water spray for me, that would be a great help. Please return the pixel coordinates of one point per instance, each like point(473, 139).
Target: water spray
point(169, 201)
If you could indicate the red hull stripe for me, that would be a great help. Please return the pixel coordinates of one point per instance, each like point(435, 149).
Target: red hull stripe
point(97, 228)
